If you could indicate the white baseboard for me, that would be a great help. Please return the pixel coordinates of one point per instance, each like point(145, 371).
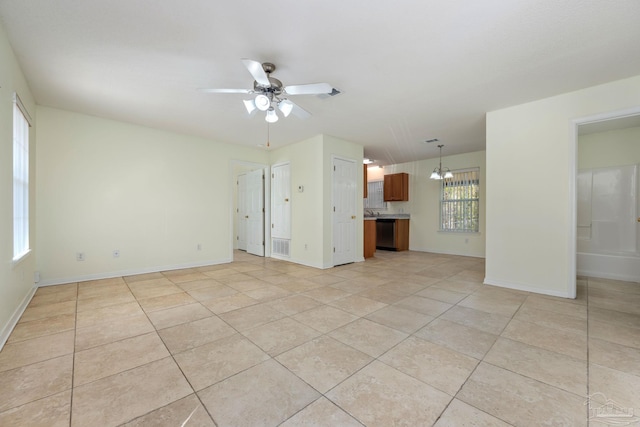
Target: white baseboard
point(13, 320)
point(607, 275)
point(434, 251)
point(130, 272)
point(526, 288)
point(306, 264)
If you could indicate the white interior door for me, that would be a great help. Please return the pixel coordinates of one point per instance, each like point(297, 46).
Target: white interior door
point(281, 210)
point(344, 211)
point(241, 213)
point(255, 212)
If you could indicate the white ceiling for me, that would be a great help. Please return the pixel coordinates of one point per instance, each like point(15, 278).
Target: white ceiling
point(409, 70)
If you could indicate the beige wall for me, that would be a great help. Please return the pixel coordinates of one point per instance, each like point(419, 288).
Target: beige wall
point(16, 279)
point(153, 195)
point(530, 179)
point(424, 205)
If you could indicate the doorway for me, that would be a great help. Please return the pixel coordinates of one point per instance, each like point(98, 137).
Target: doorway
point(344, 196)
point(281, 211)
point(241, 212)
point(609, 159)
point(254, 202)
point(249, 208)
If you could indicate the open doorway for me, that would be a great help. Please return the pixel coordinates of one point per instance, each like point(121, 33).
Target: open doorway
point(607, 196)
point(249, 208)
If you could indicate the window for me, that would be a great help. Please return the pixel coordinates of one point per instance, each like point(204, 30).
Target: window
point(21, 125)
point(375, 196)
point(460, 202)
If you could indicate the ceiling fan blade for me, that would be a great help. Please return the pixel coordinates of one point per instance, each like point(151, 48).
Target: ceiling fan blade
point(298, 111)
point(256, 70)
point(309, 89)
point(205, 90)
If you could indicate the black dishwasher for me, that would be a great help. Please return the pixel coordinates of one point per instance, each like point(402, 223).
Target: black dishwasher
point(386, 234)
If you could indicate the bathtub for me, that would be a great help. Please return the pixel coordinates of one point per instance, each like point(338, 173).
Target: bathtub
point(622, 266)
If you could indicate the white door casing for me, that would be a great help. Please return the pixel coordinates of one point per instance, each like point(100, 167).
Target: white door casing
point(344, 178)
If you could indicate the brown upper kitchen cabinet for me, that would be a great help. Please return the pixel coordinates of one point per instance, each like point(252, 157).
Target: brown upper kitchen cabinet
point(396, 187)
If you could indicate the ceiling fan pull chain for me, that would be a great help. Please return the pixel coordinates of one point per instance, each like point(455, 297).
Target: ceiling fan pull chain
point(268, 135)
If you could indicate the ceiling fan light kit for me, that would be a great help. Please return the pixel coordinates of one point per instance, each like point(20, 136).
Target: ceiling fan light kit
point(271, 116)
point(262, 102)
point(250, 105)
point(285, 107)
point(269, 91)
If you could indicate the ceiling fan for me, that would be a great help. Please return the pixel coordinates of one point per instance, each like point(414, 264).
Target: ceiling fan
point(270, 92)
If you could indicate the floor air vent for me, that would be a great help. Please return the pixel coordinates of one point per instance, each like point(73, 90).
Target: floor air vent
point(280, 247)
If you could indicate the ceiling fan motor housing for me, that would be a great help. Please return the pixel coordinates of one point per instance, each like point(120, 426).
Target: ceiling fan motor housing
point(275, 88)
point(268, 67)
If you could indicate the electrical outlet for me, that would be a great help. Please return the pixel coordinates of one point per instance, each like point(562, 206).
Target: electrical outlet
point(199, 247)
point(116, 253)
point(80, 256)
point(305, 246)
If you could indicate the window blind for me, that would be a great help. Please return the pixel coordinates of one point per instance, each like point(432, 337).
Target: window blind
point(460, 203)
point(375, 195)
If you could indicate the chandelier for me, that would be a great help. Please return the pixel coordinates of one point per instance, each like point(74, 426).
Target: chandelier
point(440, 173)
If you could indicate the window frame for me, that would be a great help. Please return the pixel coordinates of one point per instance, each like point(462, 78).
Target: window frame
point(466, 201)
point(21, 245)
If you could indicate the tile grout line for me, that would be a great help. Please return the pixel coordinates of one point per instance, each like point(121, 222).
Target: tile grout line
point(587, 402)
point(73, 359)
point(455, 396)
point(174, 361)
point(376, 358)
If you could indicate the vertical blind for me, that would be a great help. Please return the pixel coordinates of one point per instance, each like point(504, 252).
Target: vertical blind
point(375, 195)
point(20, 180)
point(460, 203)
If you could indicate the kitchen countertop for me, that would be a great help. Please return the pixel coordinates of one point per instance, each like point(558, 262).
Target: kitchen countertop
point(388, 216)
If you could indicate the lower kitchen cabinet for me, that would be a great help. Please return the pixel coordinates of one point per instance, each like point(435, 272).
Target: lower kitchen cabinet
point(369, 238)
point(402, 234)
point(392, 234)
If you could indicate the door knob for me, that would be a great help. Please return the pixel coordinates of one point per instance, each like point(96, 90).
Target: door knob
point(353, 217)
point(246, 216)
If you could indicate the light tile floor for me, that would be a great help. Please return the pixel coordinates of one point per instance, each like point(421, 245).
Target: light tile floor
point(411, 339)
